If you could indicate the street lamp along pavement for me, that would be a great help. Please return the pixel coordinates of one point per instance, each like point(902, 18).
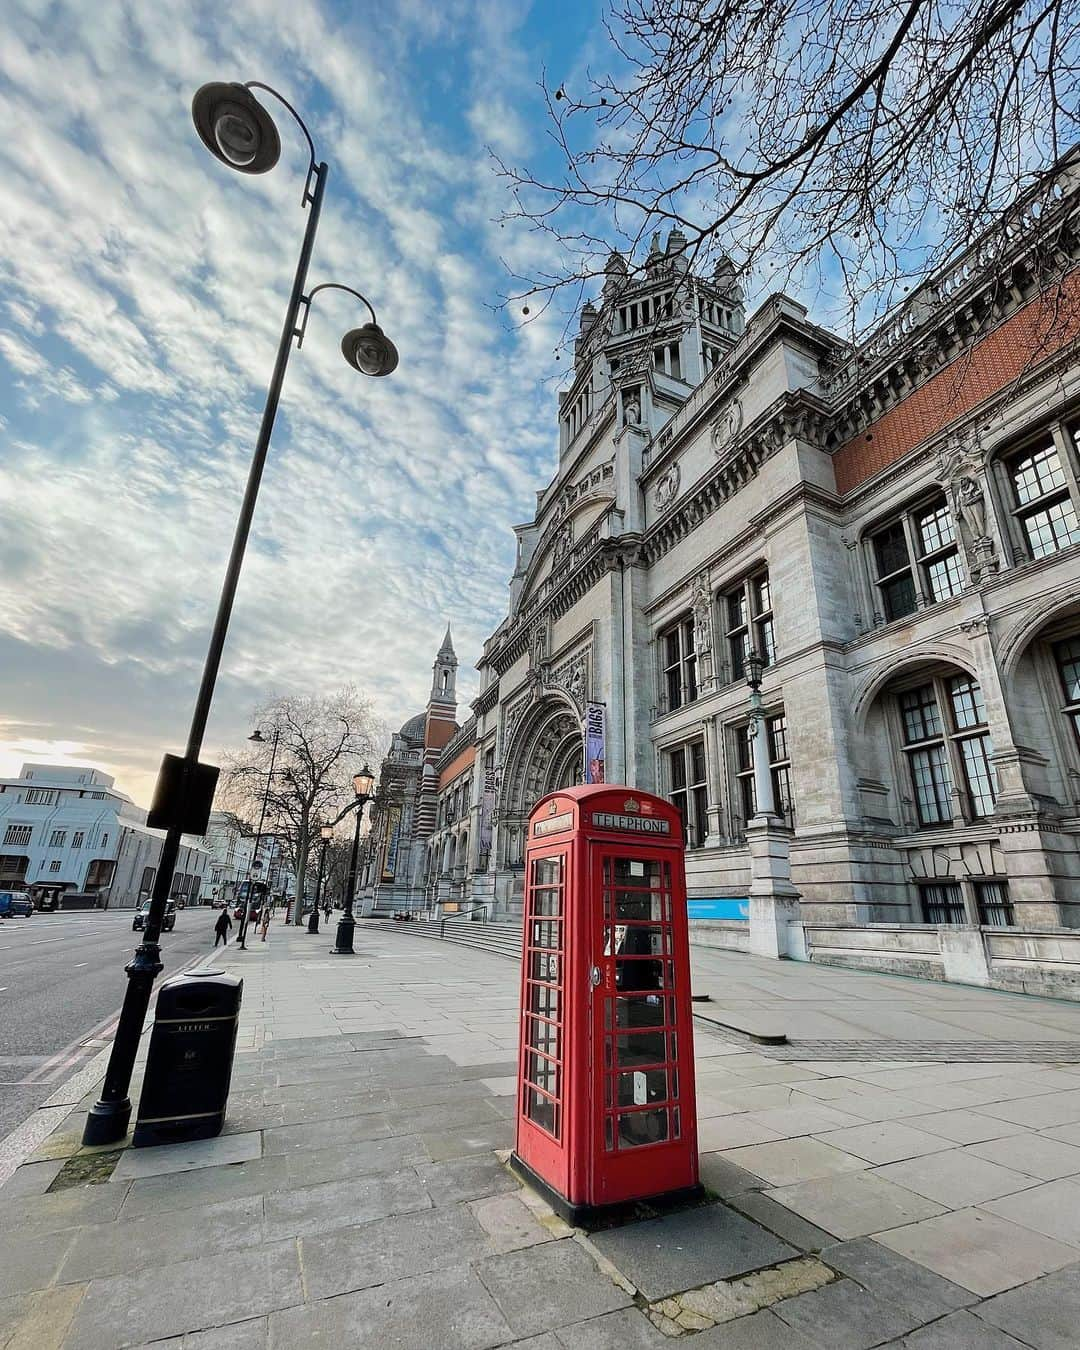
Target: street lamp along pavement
point(239, 132)
point(363, 782)
point(326, 833)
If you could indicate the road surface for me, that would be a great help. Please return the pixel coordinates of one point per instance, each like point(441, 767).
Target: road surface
point(61, 985)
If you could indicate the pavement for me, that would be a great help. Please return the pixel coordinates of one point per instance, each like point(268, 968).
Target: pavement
point(918, 1188)
point(61, 982)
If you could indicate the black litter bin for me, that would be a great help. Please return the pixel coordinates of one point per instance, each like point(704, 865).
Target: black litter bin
point(186, 1085)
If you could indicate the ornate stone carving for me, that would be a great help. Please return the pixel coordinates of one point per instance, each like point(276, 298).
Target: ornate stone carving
point(572, 677)
point(727, 426)
point(702, 601)
point(564, 541)
point(961, 463)
point(976, 626)
point(667, 487)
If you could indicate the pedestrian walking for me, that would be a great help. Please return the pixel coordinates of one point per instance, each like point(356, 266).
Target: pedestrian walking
point(265, 923)
point(221, 928)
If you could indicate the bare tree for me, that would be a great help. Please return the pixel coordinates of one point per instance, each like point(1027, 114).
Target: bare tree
point(321, 743)
point(861, 144)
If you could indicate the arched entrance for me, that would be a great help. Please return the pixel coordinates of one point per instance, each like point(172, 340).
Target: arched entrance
point(545, 754)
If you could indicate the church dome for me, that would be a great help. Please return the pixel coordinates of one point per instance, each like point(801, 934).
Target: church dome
point(413, 729)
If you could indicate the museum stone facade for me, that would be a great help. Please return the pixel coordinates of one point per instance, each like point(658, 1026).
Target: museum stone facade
point(892, 527)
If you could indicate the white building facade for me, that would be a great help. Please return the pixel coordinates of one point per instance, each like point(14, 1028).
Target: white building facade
point(893, 529)
point(67, 830)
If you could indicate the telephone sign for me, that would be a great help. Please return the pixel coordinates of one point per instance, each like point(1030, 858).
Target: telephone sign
point(606, 1109)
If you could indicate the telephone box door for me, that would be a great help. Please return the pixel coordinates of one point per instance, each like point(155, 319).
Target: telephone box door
point(642, 1084)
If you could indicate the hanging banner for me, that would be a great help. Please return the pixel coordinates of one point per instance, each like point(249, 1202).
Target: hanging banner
point(594, 743)
point(487, 811)
point(393, 832)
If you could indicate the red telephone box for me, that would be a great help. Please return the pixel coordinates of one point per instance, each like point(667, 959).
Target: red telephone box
point(606, 1110)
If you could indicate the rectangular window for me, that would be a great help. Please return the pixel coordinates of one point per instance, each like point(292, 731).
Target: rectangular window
point(940, 755)
point(942, 903)
point(54, 866)
point(916, 553)
point(39, 797)
point(689, 791)
point(969, 715)
point(1067, 656)
point(1042, 505)
point(57, 838)
point(542, 1088)
point(995, 907)
point(77, 839)
point(18, 834)
point(680, 665)
point(896, 585)
point(748, 623)
point(776, 738)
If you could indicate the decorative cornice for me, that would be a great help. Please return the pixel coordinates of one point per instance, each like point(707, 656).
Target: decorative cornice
point(796, 414)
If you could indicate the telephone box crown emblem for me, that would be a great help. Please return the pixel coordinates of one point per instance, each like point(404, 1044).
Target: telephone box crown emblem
point(552, 808)
point(632, 804)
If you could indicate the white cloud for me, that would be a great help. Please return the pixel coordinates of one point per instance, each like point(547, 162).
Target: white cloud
point(144, 291)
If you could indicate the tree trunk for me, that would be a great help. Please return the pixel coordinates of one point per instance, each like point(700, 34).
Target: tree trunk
point(301, 867)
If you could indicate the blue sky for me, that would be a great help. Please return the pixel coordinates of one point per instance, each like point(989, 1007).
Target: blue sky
point(143, 286)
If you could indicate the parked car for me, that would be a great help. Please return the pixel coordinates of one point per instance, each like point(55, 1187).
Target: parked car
point(167, 924)
point(15, 902)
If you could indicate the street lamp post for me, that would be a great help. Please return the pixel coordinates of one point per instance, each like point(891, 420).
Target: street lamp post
point(327, 833)
point(763, 789)
point(259, 739)
point(238, 131)
point(343, 943)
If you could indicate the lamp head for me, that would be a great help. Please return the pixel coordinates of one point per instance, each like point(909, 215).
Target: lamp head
point(257, 737)
point(369, 350)
point(755, 664)
point(363, 782)
point(327, 832)
point(235, 127)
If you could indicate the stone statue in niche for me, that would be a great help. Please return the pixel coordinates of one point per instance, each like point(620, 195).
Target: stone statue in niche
point(632, 408)
point(564, 541)
point(703, 641)
point(962, 465)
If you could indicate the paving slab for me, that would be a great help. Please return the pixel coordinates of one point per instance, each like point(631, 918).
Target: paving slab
point(1039, 1155)
point(725, 1178)
point(305, 1210)
point(781, 1221)
point(965, 1127)
point(1044, 1314)
point(855, 1205)
point(979, 1251)
point(104, 1249)
point(960, 1331)
point(186, 1157)
point(790, 1160)
point(390, 1249)
point(681, 1251)
point(896, 1279)
point(162, 1301)
point(450, 1309)
point(761, 1331)
point(845, 1314)
point(884, 1141)
point(548, 1287)
point(1052, 1209)
point(30, 1261)
point(627, 1329)
point(956, 1178)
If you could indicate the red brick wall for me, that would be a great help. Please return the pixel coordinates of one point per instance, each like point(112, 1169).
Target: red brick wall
point(1022, 342)
point(459, 762)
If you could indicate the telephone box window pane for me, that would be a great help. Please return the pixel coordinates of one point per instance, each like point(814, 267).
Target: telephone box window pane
point(642, 1127)
point(634, 939)
point(547, 902)
point(544, 966)
point(541, 1111)
point(543, 1036)
point(644, 1047)
point(544, 1001)
point(636, 872)
point(640, 905)
point(609, 1134)
point(641, 975)
point(547, 934)
point(542, 1073)
point(547, 872)
point(642, 1087)
point(640, 1011)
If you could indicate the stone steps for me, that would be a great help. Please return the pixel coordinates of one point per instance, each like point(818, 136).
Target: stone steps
point(502, 939)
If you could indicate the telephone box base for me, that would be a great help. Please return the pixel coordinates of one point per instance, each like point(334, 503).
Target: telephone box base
point(585, 1216)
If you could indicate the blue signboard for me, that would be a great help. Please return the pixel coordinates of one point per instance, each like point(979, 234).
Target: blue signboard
point(718, 909)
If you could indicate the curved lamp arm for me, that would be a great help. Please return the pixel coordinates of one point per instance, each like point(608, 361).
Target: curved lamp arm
point(306, 300)
point(313, 168)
